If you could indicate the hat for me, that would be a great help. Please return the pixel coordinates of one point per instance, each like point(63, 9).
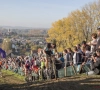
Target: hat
point(83, 42)
point(98, 28)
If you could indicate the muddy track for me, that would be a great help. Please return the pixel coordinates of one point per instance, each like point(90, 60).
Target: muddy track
point(9, 82)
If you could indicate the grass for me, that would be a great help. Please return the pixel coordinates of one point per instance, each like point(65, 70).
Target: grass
point(19, 77)
point(13, 81)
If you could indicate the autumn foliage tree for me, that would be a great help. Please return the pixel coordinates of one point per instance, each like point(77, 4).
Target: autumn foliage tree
point(78, 26)
point(6, 45)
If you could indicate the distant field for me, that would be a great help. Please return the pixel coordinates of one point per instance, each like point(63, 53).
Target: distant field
point(12, 81)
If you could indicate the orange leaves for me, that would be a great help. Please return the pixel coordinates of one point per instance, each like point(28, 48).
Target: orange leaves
point(75, 28)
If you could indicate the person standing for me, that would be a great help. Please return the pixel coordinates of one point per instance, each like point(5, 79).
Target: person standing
point(98, 39)
point(95, 64)
point(93, 43)
point(66, 58)
point(77, 57)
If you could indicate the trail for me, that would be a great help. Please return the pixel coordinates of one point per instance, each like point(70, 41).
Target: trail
point(9, 82)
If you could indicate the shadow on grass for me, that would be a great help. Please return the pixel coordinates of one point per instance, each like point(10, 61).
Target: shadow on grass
point(8, 75)
point(92, 83)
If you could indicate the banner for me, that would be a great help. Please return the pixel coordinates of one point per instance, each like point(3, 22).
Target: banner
point(2, 53)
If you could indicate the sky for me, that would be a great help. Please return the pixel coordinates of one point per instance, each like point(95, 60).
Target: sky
point(36, 13)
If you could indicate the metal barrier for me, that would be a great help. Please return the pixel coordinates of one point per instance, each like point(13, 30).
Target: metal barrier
point(53, 72)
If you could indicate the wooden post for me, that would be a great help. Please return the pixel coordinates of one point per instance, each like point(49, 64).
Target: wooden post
point(65, 67)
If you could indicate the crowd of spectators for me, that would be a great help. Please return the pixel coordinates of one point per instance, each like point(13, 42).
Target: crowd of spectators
point(48, 60)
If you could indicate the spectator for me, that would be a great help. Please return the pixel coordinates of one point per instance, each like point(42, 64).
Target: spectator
point(93, 42)
point(65, 55)
point(78, 47)
point(95, 63)
point(87, 55)
point(84, 44)
point(77, 57)
point(42, 62)
point(60, 57)
point(98, 39)
point(70, 54)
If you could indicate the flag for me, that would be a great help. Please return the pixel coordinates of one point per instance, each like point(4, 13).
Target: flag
point(2, 53)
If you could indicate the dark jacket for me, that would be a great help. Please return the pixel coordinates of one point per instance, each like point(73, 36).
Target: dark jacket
point(96, 66)
point(68, 59)
point(78, 58)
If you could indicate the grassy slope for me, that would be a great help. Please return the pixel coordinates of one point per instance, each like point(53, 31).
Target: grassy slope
point(12, 81)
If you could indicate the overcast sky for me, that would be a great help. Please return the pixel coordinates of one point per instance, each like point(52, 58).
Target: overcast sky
point(36, 13)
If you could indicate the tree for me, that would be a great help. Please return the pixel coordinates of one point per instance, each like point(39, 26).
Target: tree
point(6, 45)
point(78, 26)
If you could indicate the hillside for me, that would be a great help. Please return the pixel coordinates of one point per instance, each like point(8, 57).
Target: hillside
point(11, 81)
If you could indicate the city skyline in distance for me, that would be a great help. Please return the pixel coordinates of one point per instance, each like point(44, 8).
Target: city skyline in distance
point(22, 27)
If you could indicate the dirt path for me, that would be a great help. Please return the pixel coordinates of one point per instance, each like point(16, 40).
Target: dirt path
point(9, 82)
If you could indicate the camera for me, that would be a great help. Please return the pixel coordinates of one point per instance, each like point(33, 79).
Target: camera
point(94, 55)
